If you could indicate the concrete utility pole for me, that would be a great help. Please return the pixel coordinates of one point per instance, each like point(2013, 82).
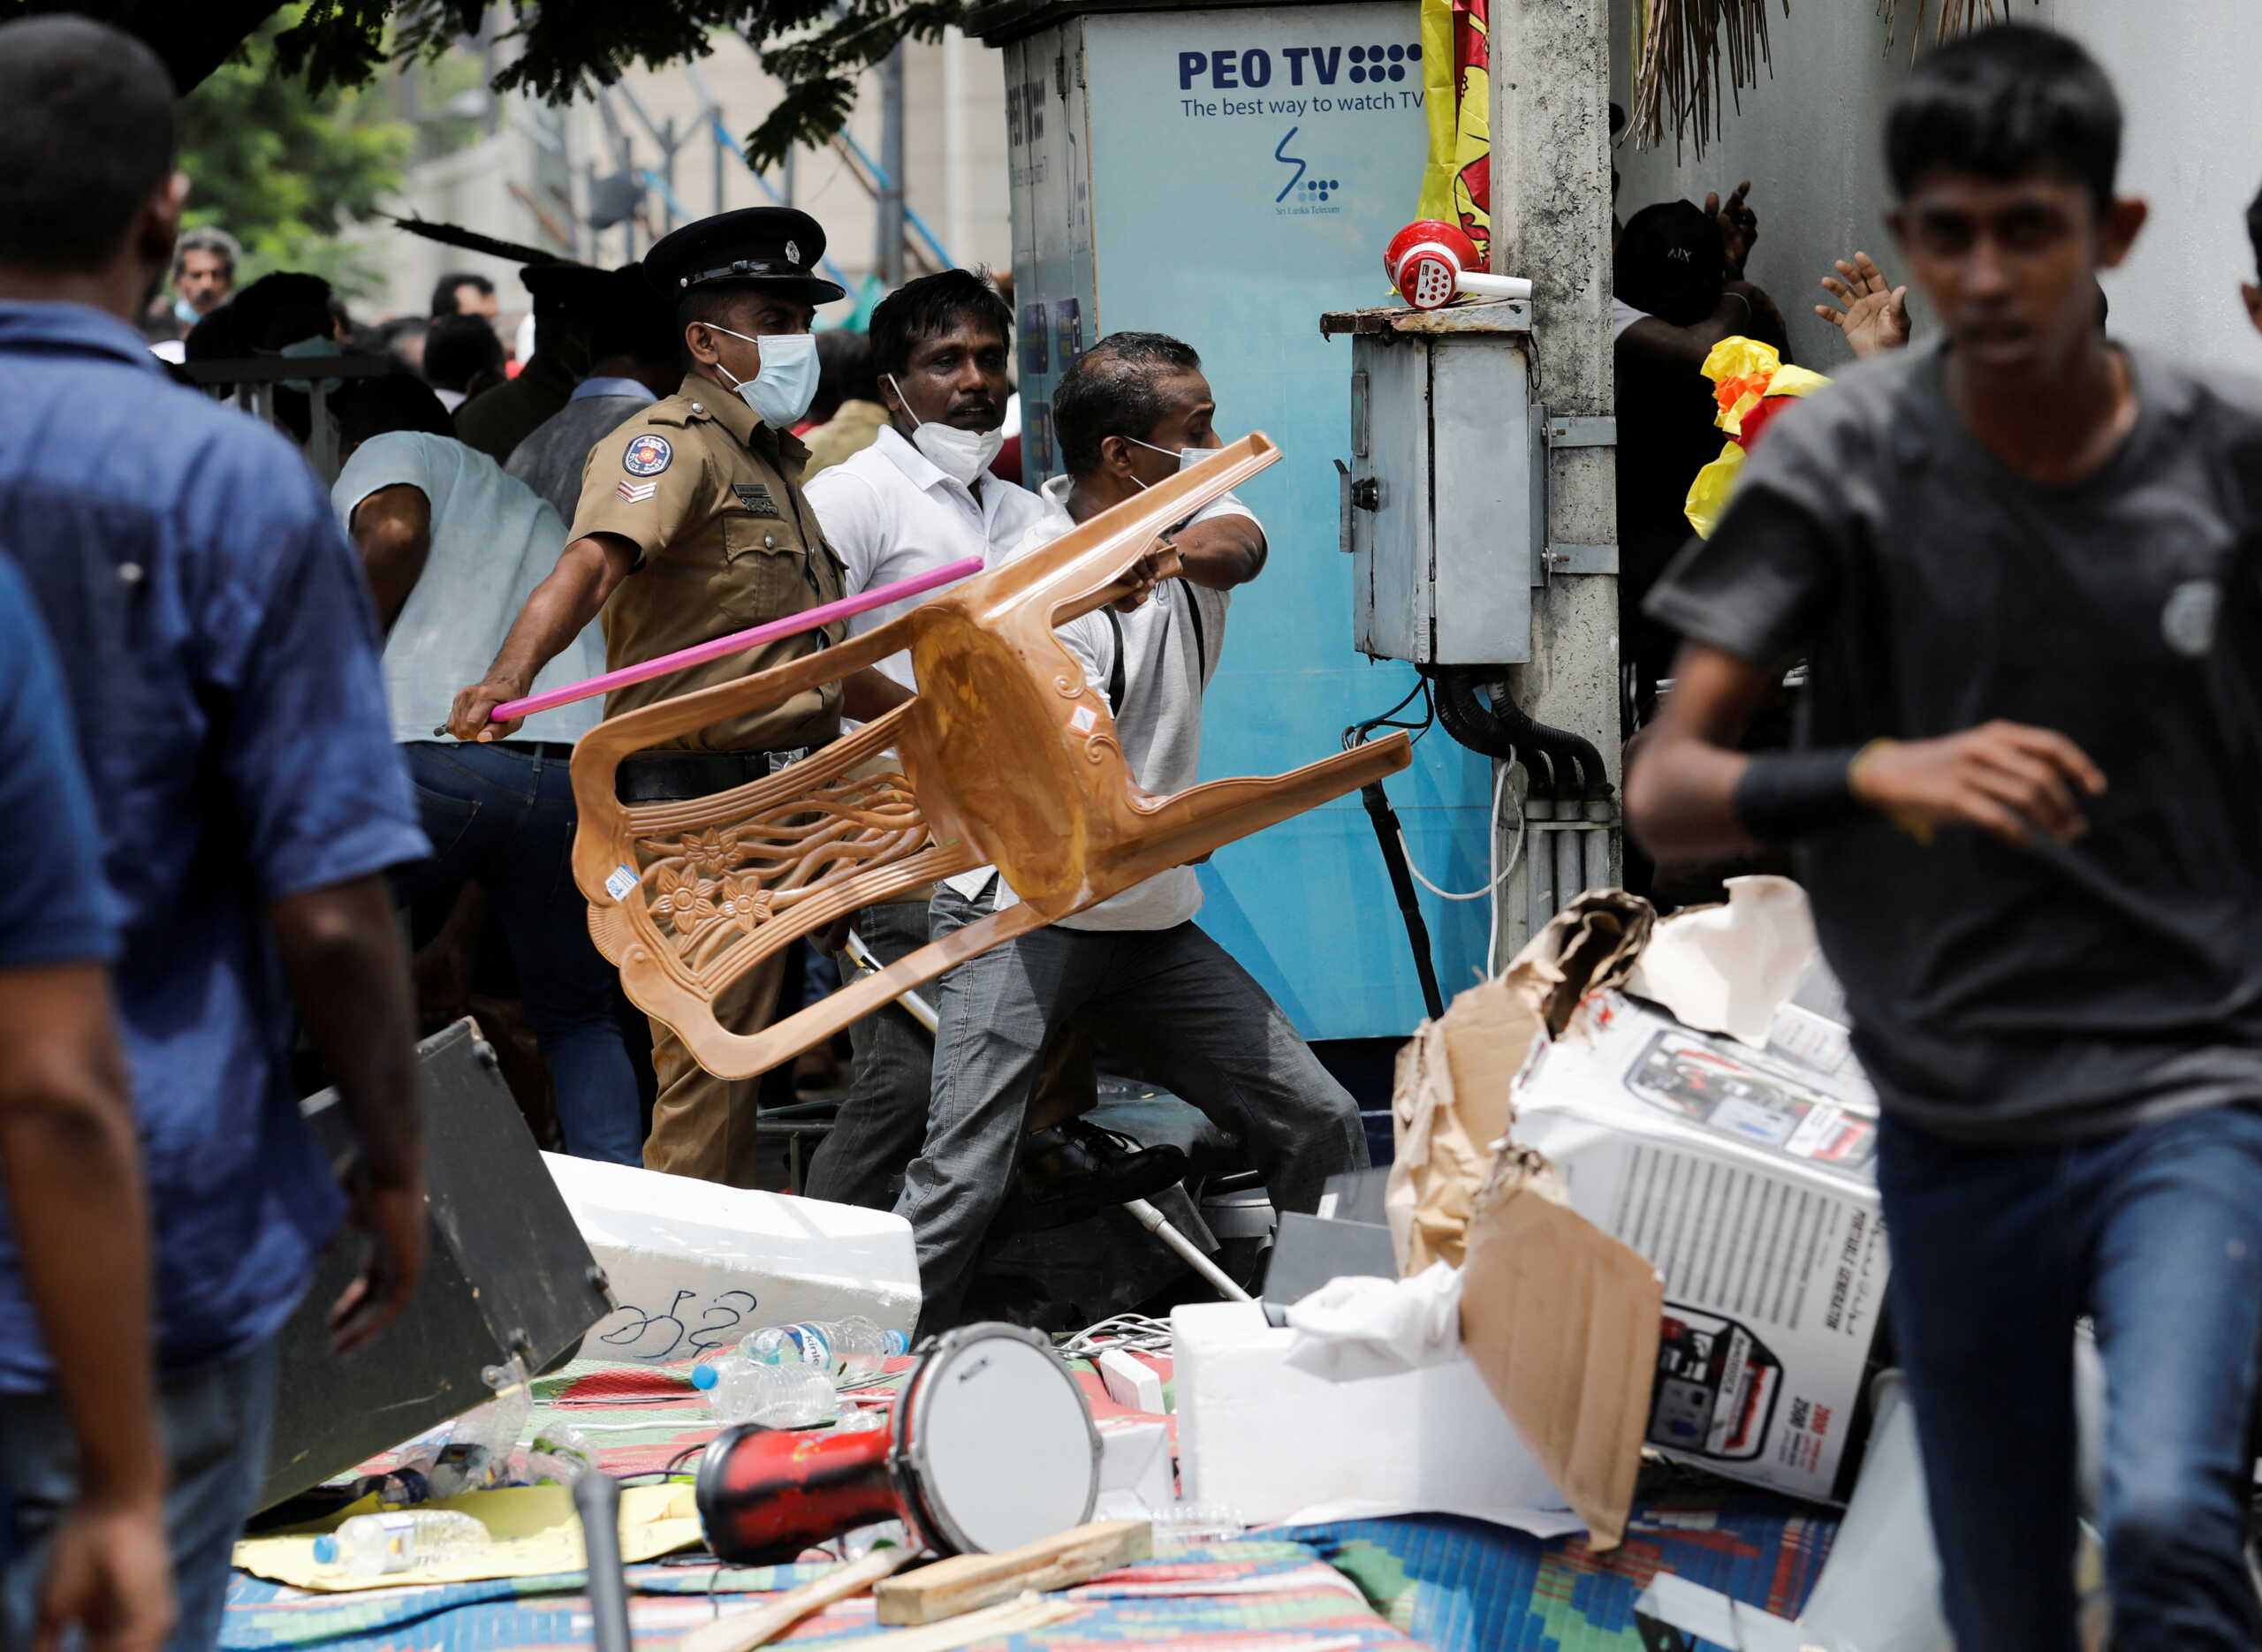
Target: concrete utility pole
point(1551, 222)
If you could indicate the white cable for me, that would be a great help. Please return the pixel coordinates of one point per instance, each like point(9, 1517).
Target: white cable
point(1493, 829)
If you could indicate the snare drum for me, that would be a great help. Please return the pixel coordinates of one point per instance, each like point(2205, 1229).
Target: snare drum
point(991, 1446)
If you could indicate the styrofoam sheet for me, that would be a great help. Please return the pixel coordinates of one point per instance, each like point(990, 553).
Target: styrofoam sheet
point(1278, 1444)
point(694, 1266)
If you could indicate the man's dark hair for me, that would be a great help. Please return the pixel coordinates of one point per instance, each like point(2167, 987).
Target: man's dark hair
point(1113, 389)
point(636, 326)
point(2254, 231)
point(1671, 261)
point(443, 293)
point(458, 349)
point(392, 401)
point(207, 240)
point(85, 137)
point(930, 307)
point(2006, 102)
point(843, 369)
point(278, 310)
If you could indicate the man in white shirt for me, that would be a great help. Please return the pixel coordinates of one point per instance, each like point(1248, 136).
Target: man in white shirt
point(453, 547)
point(921, 496)
point(1136, 968)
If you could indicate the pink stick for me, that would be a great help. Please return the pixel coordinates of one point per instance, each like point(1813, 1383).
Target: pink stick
point(700, 653)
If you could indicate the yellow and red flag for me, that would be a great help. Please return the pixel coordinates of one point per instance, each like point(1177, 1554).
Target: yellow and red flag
point(1750, 385)
point(1457, 86)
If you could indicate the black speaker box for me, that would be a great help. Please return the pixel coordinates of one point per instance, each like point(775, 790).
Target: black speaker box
point(505, 1271)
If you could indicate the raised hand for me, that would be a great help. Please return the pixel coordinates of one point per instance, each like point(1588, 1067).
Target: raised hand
point(1875, 314)
point(1739, 225)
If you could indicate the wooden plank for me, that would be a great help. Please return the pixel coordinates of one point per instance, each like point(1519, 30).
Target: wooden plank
point(1015, 1617)
point(965, 1583)
point(740, 1631)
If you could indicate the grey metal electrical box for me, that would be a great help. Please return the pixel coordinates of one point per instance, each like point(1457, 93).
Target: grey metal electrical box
point(1444, 506)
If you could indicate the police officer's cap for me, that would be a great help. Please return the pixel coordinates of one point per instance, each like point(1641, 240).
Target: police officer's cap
point(775, 249)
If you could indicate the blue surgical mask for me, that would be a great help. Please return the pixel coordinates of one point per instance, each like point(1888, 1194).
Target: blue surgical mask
point(781, 391)
point(185, 313)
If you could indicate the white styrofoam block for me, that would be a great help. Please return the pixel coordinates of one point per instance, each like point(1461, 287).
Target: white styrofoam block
point(1135, 1469)
point(1277, 1444)
point(1131, 1382)
point(695, 1265)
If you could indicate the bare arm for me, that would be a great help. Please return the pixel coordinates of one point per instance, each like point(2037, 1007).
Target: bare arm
point(870, 693)
point(1739, 310)
point(71, 1171)
point(1222, 552)
point(588, 571)
point(348, 969)
point(1681, 789)
point(393, 529)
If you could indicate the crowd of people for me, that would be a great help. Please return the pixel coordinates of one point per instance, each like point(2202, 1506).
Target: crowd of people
point(2006, 558)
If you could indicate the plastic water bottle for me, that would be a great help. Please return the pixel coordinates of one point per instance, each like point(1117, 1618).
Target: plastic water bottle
point(809, 1343)
point(860, 1348)
point(777, 1396)
point(372, 1545)
point(558, 1452)
point(478, 1452)
point(854, 1346)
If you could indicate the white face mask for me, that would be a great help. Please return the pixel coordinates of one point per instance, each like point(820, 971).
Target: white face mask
point(782, 389)
point(961, 455)
point(1188, 457)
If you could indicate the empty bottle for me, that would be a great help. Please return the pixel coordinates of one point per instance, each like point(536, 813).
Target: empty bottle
point(777, 1396)
point(372, 1545)
point(478, 1452)
point(853, 1345)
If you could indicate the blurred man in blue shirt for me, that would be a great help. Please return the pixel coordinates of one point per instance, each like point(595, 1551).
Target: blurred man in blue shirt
point(221, 658)
point(70, 1192)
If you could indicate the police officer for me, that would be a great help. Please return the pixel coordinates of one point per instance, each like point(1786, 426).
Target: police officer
point(692, 525)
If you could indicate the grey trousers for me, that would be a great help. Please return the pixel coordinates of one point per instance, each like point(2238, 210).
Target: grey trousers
point(1172, 1000)
point(216, 1418)
point(883, 1118)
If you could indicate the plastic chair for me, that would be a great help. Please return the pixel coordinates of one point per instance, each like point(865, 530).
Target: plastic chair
point(1007, 759)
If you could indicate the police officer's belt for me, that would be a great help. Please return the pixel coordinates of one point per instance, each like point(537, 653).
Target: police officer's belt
point(665, 776)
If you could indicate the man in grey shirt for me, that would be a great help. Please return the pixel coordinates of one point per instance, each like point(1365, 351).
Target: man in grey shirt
point(1136, 969)
point(636, 359)
point(2021, 564)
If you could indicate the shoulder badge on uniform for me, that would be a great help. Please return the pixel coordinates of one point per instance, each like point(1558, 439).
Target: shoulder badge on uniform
point(755, 497)
point(648, 455)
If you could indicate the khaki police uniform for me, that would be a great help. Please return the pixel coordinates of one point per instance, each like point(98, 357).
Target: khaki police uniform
point(710, 496)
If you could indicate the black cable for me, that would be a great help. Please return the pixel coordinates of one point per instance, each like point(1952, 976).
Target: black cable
point(1401, 883)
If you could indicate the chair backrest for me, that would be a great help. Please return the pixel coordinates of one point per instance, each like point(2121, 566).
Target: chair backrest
point(1007, 756)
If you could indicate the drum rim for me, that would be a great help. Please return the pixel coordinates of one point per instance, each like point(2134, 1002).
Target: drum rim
point(903, 1454)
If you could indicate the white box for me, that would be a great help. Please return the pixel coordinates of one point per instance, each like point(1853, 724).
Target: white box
point(1744, 1176)
point(1135, 1475)
point(1275, 1443)
point(695, 1266)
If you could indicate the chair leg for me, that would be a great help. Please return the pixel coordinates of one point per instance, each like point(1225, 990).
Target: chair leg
point(732, 1055)
point(1205, 818)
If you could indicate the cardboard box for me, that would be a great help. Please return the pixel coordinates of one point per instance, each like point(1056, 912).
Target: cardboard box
point(1744, 1176)
point(1277, 1443)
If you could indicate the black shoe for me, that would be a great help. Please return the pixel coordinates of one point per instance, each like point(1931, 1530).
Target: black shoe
point(1081, 1163)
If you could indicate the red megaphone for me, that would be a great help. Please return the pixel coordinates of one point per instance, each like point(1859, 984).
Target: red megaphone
point(1429, 261)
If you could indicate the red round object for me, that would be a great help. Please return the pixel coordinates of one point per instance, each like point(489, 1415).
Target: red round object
point(1425, 262)
point(765, 1495)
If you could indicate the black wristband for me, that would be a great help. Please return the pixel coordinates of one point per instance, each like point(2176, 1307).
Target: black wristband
point(1788, 795)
